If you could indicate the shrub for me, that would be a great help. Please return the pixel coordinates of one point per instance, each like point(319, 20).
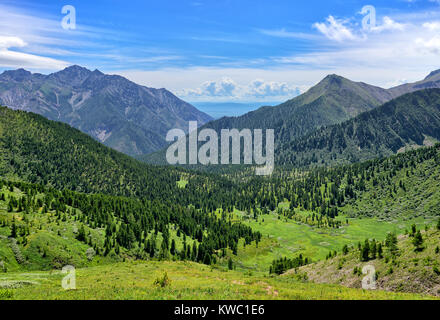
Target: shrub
point(163, 281)
point(6, 294)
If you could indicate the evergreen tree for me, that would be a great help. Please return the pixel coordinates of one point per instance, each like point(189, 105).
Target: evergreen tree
point(230, 264)
point(418, 241)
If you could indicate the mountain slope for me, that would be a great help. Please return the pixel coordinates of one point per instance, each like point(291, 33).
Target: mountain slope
point(405, 270)
point(430, 82)
point(333, 100)
point(119, 113)
point(408, 120)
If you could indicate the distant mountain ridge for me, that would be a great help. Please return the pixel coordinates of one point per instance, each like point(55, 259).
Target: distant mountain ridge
point(410, 120)
point(332, 101)
point(125, 116)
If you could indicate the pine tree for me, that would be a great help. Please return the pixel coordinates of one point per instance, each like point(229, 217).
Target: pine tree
point(391, 243)
point(418, 241)
point(173, 247)
point(230, 264)
point(365, 251)
point(13, 229)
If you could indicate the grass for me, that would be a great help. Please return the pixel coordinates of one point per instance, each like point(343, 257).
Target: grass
point(284, 237)
point(409, 270)
point(188, 281)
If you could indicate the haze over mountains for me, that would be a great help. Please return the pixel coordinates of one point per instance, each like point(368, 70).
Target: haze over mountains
point(125, 116)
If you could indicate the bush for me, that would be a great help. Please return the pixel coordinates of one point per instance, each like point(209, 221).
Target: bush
point(6, 294)
point(163, 281)
point(90, 253)
point(436, 270)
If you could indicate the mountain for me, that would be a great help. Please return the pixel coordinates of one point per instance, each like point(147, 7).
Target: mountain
point(410, 120)
point(125, 116)
point(331, 101)
point(431, 81)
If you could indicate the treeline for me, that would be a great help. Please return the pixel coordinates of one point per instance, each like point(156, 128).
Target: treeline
point(279, 266)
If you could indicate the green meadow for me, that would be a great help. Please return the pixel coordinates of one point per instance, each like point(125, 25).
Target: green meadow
point(185, 280)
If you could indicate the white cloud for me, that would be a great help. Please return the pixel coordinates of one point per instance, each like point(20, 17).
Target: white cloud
point(431, 45)
point(13, 59)
point(260, 88)
point(8, 42)
point(227, 88)
point(432, 26)
point(335, 29)
point(389, 25)
point(283, 33)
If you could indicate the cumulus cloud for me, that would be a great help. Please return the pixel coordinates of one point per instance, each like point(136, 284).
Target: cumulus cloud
point(228, 88)
point(8, 42)
point(389, 25)
point(431, 45)
point(225, 87)
point(432, 26)
point(260, 88)
point(335, 29)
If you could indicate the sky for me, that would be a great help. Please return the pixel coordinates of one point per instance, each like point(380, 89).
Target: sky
point(226, 50)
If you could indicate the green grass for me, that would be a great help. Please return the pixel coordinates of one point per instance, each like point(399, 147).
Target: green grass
point(182, 183)
point(409, 270)
point(135, 280)
point(284, 237)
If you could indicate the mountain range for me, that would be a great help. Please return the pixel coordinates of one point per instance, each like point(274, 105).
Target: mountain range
point(408, 121)
point(332, 101)
point(130, 118)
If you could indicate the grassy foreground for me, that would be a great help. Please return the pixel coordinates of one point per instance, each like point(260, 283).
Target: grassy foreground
point(135, 280)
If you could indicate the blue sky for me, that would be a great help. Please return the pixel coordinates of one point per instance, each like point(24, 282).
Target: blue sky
point(226, 50)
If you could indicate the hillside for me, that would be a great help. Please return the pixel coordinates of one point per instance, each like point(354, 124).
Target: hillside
point(86, 199)
point(401, 267)
point(410, 120)
point(187, 281)
point(125, 116)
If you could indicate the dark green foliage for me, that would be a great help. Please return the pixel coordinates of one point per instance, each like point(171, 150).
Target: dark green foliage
point(281, 265)
point(230, 264)
point(391, 243)
point(418, 241)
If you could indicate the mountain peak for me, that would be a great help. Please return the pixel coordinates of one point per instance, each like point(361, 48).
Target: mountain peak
point(433, 74)
point(17, 75)
point(72, 75)
point(75, 68)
